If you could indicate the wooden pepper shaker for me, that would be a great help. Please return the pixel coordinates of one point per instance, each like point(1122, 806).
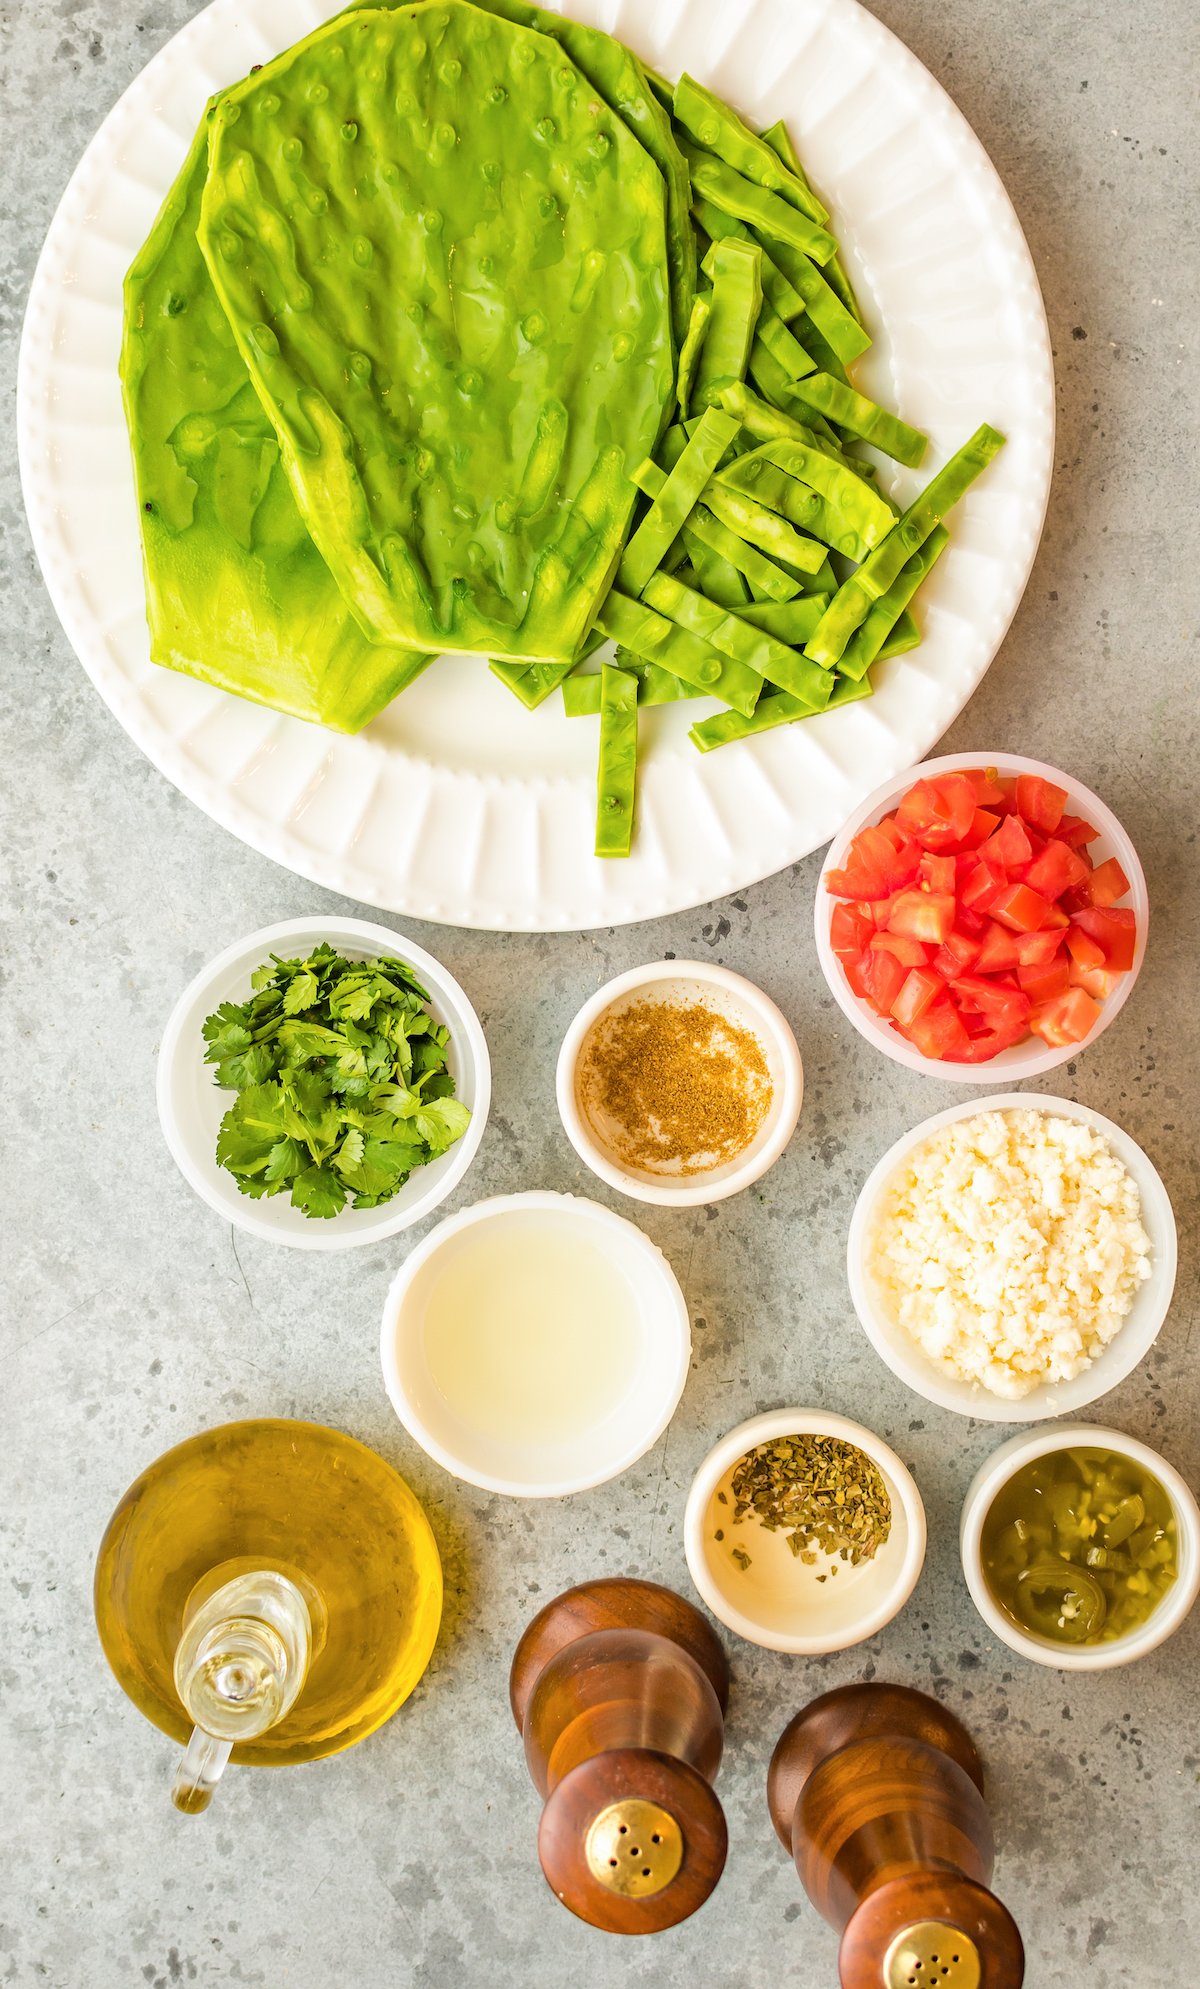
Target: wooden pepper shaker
point(619, 1690)
point(877, 1792)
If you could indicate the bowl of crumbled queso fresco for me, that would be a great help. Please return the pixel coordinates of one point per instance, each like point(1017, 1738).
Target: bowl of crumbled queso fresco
point(1013, 1258)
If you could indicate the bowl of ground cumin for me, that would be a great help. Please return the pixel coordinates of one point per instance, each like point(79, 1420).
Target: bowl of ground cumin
point(679, 1083)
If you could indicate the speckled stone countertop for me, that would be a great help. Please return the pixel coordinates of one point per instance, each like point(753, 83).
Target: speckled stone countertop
point(133, 1317)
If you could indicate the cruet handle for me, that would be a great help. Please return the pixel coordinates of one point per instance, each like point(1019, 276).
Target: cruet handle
point(239, 1667)
point(199, 1769)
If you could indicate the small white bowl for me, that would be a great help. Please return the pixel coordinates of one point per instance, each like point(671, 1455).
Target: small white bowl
point(1123, 1352)
point(1165, 1620)
point(741, 1003)
point(777, 1601)
point(191, 1104)
point(1031, 1058)
point(626, 1425)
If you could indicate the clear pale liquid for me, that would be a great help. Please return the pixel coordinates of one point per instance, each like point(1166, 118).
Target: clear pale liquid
point(530, 1336)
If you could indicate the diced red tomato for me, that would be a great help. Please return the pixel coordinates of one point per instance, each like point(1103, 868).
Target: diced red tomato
point(1042, 983)
point(958, 954)
point(1011, 845)
point(1085, 951)
point(920, 990)
point(937, 872)
point(890, 828)
point(909, 952)
point(989, 790)
point(1055, 869)
point(939, 812)
point(988, 1041)
point(1040, 802)
point(998, 951)
point(1106, 883)
point(926, 915)
point(939, 1033)
point(883, 977)
point(1074, 830)
point(1002, 1006)
point(1036, 949)
point(1098, 981)
point(1066, 1019)
point(1021, 909)
point(875, 866)
point(972, 916)
point(1113, 927)
point(986, 822)
point(983, 883)
point(849, 931)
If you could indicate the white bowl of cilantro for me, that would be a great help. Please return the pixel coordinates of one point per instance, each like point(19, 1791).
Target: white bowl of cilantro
point(324, 1083)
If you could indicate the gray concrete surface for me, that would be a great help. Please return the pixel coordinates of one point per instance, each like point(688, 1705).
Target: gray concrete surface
point(133, 1317)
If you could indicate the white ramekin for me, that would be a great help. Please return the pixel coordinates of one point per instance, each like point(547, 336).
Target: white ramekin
point(741, 1002)
point(655, 1382)
point(191, 1104)
point(1122, 1354)
point(1024, 1060)
point(1165, 1620)
point(777, 1601)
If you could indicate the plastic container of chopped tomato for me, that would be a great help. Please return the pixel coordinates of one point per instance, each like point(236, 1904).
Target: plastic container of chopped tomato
point(924, 921)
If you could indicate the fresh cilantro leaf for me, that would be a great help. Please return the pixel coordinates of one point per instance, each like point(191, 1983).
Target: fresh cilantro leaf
point(246, 1067)
point(385, 1126)
point(395, 970)
point(250, 1129)
point(310, 1112)
point(384, 1167)
point(226, 1026)
point(341, 1079)
point(437, 1084)
point(442, 1122)
point(300, 994)
point(350, 1153)
point(318, 1192)
point(285, 1159)
point(302, 1041)
point(354, 998)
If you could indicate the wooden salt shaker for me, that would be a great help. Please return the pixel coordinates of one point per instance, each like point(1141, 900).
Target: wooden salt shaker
point(877, 1792)
point(619, 1690)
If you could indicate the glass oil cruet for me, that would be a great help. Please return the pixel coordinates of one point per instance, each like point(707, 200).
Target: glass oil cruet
point(266, 1592)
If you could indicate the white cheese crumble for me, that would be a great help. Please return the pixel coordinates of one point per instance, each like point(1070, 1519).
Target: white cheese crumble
point(1010, 1247)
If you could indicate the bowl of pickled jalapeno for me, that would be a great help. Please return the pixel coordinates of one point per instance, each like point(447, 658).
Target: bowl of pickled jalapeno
point(1081, 1546)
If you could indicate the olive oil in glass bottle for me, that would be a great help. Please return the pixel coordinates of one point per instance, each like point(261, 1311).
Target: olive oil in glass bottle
point(267, 1592)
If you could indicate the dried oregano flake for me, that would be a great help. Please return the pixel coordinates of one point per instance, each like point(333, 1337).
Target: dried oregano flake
point(826, 1495)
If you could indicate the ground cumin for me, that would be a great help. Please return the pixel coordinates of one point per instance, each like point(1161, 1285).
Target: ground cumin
point(674, 1086)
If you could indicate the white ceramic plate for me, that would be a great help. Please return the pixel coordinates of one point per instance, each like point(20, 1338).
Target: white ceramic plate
point(457, 804)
